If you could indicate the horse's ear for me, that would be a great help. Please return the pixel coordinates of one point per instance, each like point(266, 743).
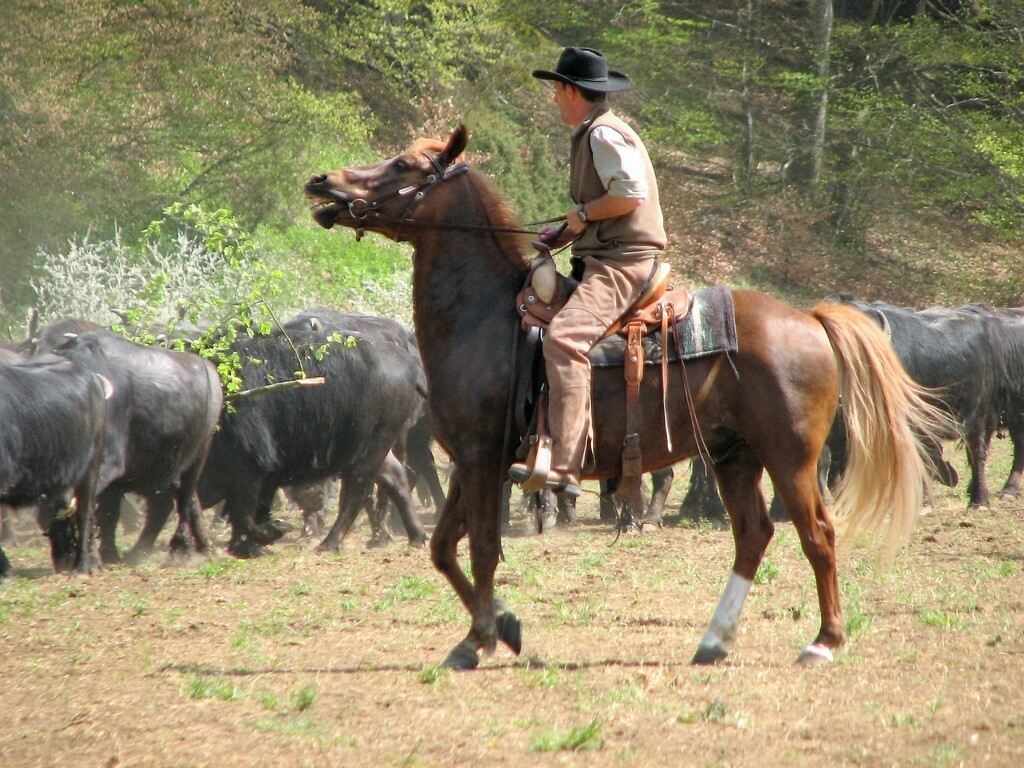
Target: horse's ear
point(456, 144)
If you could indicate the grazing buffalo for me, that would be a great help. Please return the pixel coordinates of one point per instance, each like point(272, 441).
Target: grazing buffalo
point(160, 422)
point(52, 419)
point(345, 427)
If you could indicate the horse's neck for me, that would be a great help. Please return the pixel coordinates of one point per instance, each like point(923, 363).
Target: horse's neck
point(464, 307)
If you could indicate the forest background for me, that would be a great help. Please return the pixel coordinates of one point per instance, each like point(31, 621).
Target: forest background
point(155, 150)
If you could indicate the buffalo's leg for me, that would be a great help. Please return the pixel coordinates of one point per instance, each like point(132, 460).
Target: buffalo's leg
point(566, 509)
point(977, 440)
point(5, 564)
point(190, 526)
point(739, 483)
point(393, 481)
point(661, 484)
point(1012, 487)
point(702, 500)
point(355, 489)
point(108, 513)
point(158, 510)
point(607, 509)
point(6, 531)
point(244, 502)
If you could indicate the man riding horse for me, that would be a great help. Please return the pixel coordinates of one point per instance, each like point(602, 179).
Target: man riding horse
point(619, 235)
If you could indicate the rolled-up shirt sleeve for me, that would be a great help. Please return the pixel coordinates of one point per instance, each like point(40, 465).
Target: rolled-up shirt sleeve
point(620, 166)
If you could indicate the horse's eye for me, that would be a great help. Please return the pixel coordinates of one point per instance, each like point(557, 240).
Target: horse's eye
point(401, 165)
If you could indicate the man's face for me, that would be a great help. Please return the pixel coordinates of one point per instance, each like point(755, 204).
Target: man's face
point(565, 97)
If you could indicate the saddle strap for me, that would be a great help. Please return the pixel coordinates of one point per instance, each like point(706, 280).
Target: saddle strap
point(632, 458)
point(668, 319)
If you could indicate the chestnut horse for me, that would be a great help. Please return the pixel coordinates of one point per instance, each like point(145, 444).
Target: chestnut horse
point(772, 413)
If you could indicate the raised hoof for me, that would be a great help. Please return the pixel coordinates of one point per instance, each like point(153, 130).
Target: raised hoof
point(815, 654)
point(708, 654)
point(510, 631)
point(462, 657)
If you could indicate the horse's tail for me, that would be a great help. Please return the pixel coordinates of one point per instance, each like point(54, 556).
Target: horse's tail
point(888, 418)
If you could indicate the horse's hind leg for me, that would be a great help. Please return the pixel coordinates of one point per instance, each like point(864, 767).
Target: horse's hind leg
point(802, 498)
point(739, 478)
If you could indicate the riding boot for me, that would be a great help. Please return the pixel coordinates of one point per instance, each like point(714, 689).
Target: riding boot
point(569, 420)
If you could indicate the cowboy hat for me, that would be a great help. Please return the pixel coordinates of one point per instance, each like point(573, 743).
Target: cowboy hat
point(585, 68)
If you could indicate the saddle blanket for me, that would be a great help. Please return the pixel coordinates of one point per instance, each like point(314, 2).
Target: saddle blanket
point(709, 328)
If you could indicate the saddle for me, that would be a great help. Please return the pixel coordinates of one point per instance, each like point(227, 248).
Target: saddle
point(658, 307)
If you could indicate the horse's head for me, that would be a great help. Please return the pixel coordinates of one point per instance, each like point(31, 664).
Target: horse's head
point(376, 197)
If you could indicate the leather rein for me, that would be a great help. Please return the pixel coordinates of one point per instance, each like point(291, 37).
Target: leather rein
point(360, 209)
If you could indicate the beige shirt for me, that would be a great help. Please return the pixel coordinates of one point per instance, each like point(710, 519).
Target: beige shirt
point(620, 167)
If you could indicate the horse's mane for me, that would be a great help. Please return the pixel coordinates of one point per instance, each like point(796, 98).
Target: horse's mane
point(497, 209)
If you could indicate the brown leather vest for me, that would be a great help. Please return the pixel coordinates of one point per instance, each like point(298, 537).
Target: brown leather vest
point(635, 235)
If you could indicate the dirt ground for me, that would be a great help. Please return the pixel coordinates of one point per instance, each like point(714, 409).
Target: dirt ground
point(298, 659)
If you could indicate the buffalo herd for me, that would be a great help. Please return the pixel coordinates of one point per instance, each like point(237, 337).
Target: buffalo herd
point(87, 416)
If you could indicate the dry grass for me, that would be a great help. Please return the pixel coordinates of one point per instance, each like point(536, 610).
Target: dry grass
point(299, 659)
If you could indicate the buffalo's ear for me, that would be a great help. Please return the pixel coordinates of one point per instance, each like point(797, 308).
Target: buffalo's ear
point(455, 146)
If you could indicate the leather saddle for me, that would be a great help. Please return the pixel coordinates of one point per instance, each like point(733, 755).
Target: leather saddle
point(649, 307)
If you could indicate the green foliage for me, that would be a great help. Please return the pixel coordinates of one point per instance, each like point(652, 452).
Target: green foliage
point(110, 114)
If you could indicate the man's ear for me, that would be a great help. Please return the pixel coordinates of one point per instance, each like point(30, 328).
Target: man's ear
point(455, 146)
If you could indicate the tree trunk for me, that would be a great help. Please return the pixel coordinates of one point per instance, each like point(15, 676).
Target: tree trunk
point(822, 41)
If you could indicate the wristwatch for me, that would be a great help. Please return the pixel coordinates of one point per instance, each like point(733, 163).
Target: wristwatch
point(582, 213)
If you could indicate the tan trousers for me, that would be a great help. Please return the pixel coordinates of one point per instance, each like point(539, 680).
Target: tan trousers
point(607, 290)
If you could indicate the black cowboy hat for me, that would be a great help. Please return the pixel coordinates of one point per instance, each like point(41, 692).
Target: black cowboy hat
point(585, 68)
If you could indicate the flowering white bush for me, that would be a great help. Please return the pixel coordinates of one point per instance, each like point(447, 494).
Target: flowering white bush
point(93, 278)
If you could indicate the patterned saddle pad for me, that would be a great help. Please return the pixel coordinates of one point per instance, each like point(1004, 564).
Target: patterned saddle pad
point(709, 328)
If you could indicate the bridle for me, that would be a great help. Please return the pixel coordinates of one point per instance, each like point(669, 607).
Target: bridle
point(361, 209)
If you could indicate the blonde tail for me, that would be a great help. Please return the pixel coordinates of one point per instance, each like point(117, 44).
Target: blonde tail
point(887, 417)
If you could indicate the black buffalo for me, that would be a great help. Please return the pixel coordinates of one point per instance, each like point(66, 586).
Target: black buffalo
point(345, 427)
point(52, 431)
point(161, 418)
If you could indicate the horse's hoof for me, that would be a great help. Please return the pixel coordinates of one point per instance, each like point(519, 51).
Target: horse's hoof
point(462, 657)
point(708, 654)
point(815, 653)
point(510, 631)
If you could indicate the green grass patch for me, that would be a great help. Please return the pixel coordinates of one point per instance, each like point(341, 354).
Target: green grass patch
point(219, 568)
point(576, 739)
point(940, 619)
point(766, 572)
point(304, 698)
point(407, 589)
point(199, 687)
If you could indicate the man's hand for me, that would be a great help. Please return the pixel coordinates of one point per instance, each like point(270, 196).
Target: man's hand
point(553, 237)
point(575, 224)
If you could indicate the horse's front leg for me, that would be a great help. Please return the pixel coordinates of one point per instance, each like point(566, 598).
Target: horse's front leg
point(473, 507)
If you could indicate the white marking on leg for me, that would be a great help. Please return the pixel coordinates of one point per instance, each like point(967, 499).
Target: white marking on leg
point(722, 630)
point(821, 651)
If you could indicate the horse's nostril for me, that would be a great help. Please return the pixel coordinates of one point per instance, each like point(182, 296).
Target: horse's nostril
point(319, 178)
